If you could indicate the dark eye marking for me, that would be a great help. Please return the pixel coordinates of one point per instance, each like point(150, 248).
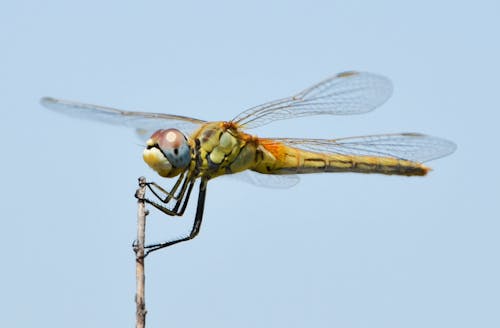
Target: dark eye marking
point(176, 151)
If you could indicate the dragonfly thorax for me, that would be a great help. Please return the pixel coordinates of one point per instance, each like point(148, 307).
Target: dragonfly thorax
point(167, 152)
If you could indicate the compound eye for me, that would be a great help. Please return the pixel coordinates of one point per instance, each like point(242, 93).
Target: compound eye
point(174, 146)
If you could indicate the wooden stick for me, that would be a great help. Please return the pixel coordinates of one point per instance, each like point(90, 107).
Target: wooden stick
point(140, 300)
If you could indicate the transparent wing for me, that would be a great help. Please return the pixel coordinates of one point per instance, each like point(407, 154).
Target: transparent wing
point(343, 94)
point(144, 123)
point(409, 146)
point(266, 180)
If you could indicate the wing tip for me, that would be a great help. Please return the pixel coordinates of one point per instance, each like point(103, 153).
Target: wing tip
point(444, 147)
point(383, 83)
point(347, 74)
point(47, 101)
point(449, 147)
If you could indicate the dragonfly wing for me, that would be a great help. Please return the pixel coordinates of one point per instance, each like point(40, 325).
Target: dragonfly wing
point(266, 180)
point(343, 94)
point(144, 123)
point(408, 146)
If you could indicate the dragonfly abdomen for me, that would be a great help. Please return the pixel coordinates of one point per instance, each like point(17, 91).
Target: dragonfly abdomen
point(381, 165)
point(280, 159)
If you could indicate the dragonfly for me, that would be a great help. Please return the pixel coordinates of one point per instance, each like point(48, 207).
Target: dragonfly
point(196, 150)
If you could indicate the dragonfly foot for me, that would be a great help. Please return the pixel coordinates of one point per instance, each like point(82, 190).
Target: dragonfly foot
point(135, 247)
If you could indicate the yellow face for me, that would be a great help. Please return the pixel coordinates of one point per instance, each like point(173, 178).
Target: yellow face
point(167, 152)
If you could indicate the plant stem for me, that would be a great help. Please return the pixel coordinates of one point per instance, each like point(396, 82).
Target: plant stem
point(140, 300)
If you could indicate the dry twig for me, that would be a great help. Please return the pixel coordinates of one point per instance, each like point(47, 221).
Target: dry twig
point(139, 256)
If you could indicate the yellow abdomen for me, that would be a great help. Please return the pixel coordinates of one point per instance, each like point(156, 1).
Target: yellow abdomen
point(280, 159)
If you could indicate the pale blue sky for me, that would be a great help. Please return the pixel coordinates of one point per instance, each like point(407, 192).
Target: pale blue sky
point(339, 250)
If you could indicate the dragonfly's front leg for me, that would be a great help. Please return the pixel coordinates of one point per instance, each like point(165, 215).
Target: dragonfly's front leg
point(181, 198)
point(184, 195)
point(169, 194)
point(196, 224)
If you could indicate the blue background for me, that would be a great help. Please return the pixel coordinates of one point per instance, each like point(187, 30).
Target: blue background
point(339, 250)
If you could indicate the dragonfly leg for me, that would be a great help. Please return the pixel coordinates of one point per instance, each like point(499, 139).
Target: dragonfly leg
point(196, 224)
point(184, 199)
point(169, 194)
point(181, 196)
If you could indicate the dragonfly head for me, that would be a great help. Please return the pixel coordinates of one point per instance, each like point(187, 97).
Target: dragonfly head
point(167, 152)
